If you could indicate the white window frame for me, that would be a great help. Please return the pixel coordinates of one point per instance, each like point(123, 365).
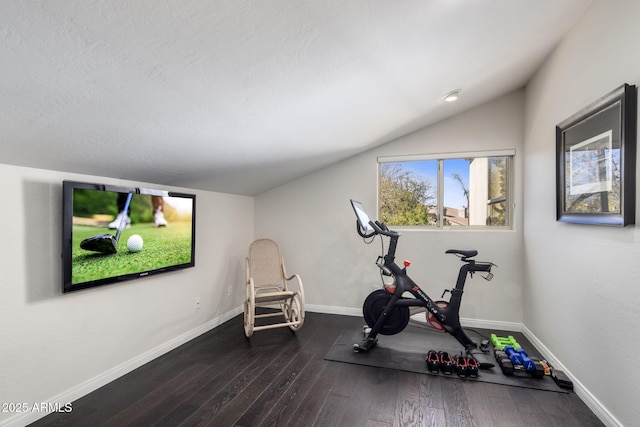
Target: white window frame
point(509, 153)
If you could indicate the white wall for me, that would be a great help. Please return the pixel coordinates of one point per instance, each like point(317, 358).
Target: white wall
point(577, 293)
point(313, 222)
point(581, 282)
point(60, 347)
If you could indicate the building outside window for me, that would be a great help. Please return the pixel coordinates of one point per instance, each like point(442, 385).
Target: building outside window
point(460, 190)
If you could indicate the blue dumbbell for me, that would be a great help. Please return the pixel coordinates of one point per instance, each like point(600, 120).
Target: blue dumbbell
point(520, 357)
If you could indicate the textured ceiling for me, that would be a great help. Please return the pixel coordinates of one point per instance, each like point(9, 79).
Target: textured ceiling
point(240, 96)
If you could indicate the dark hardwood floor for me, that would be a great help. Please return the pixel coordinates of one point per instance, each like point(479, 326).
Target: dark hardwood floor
point(278, 378)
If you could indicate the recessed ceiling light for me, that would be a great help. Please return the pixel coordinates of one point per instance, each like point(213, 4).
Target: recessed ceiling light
point(452, 96)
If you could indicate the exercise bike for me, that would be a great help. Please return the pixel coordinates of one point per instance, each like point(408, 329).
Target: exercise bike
point(387, 311)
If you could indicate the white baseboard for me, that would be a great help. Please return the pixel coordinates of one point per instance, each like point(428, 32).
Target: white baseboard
point(326, 309)
point(469, 323)
point(585, 395)
point(116, 372)
point(491, 324)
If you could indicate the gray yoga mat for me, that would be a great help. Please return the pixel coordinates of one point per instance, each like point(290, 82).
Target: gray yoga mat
point(406, 351)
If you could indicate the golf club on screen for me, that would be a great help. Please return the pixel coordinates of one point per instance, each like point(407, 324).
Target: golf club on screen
point(106, 243)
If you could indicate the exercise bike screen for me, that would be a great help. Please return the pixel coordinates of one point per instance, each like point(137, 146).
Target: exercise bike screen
point(361, 213)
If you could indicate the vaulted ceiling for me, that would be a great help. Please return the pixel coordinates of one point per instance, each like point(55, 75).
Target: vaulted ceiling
point(240, 96)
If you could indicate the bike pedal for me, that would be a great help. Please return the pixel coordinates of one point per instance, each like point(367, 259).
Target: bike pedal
point(365, 331)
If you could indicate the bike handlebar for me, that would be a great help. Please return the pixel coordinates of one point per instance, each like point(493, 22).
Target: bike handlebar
point(378, 228)
point(466, 255)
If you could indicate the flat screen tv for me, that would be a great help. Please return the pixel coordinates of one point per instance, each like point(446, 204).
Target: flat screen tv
point(115, 233)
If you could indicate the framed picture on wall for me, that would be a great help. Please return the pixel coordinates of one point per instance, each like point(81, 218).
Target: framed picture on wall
point(596, 161)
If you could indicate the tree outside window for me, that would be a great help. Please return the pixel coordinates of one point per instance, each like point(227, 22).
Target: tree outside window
point(452, 192)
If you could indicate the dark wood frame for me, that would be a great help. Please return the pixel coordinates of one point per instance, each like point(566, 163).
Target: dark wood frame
point(610, 121)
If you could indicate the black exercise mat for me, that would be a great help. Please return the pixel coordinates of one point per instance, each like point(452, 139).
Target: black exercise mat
point(406, 351)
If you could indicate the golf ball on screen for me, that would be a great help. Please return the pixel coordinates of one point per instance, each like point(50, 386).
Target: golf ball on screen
point(134, 243)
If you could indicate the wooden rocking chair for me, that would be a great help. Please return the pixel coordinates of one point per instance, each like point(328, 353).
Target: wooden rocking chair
point(267, 286)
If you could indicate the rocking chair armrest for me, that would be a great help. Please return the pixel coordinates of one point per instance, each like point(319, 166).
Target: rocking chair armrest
point(288, 278)
point(297, 277)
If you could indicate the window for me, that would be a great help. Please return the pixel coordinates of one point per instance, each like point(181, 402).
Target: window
point(459, 190)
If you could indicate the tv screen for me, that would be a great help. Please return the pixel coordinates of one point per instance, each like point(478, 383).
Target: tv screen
point(113, 233)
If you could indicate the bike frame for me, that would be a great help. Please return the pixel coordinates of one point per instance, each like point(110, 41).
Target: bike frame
point(447, 316)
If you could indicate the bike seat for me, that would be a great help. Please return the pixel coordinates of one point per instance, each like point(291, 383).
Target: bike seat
point(463, 254)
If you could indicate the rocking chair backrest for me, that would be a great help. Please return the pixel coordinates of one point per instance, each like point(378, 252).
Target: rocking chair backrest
point(264, 264)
